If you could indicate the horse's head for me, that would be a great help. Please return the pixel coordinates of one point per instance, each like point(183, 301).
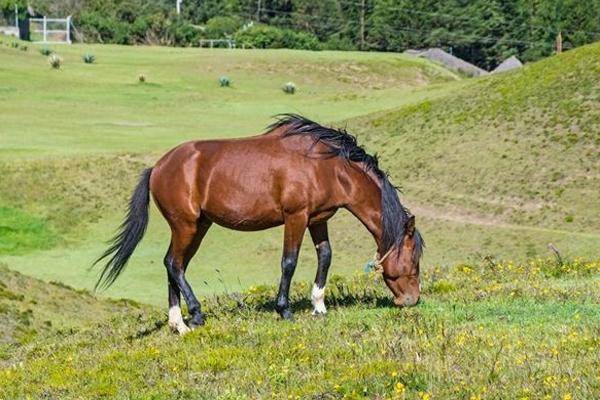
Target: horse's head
point(401, 267)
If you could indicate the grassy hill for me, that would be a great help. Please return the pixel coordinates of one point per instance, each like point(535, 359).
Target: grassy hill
point(499, 330)
point(505, 164)
point(74, 140)
point(495, 167)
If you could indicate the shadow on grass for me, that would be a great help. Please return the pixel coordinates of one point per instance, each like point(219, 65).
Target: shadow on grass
point(240, 303)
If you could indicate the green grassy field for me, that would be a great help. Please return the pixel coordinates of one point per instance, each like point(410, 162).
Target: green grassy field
point(87, 165)
point(487, 331)
point(494, 169)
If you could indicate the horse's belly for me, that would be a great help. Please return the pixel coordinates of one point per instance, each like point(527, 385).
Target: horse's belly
point(242, 223)
point(243, 212)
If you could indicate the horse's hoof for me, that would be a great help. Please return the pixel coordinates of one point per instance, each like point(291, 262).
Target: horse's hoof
point(319, 313)
point(183, 329)
point(287, 315)
point(196, 321)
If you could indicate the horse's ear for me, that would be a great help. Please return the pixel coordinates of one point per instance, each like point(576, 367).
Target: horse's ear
point(410, 226)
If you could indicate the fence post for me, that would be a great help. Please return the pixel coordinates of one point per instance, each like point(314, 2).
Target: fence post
point(45, 30)
point(17, 17)
point(69, 29)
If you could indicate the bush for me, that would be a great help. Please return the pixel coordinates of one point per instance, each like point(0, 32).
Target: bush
point(260, 37)
point(224, 81)
point(300, 40)
point(100, 28)
point(55, 61)
point(183, 34)
point(337, 43)
point(289, 88)
point(14, 45)
point(89, 58)
point(221, 27)
point(270, 37)
point(46, 51)
point(141, 78)
point(23, 47)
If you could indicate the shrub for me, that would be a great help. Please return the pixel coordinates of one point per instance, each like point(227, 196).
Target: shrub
point(289, 88)
point(142, 78)
point(270, 37)
point(55, 61)
point(46, 51)
point(221, 27)
point(183, 34)
point(101, 28)
point(337, 43)
point(260, 36)
point(14, 45)
point(300, 40)
point(89, 58)
point(224, 81)
point(23, 47)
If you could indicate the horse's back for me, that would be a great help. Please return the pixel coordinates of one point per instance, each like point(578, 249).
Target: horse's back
point(248, 183)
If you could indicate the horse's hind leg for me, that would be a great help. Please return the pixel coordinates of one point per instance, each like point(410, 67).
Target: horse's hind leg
point(320, 238)
point(185, 240)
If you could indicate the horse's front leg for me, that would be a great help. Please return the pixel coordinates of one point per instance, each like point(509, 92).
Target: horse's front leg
point(294, 227)
point(320, 238)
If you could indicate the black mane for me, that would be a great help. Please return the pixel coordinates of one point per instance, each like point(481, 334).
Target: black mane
point(342, 144)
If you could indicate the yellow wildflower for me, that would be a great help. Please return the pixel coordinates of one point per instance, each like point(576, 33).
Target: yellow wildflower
point(400, 387)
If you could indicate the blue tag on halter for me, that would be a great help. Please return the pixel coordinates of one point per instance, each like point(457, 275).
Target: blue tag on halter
point(369, 267)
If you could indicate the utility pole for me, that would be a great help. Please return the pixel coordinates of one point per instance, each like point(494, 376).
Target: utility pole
point(559, 43)
point(178, 6)
point(362, 24)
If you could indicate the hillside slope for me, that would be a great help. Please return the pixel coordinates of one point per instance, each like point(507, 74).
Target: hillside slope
point(497, 167)
point(518, 151)
point(102, 107)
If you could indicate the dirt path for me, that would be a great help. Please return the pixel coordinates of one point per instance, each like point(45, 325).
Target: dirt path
point(467, 217)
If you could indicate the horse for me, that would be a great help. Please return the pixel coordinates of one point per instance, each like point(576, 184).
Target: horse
point(298, 174)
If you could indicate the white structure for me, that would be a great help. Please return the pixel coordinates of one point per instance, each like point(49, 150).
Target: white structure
point(450, 61)
point(212, 42)
point(508, 64)
point(50, 30)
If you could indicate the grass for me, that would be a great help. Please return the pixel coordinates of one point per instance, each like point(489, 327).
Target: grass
point(494, 168)
point(87, 165)
point(180, 100)
point(527, 191)
point(492, 330)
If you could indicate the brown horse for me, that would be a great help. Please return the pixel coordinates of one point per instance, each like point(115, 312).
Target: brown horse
point(298, 174)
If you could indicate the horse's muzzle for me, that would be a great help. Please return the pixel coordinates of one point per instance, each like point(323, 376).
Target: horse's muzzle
point(406, 301)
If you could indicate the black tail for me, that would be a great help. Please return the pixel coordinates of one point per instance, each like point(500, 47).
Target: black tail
point(130, 233)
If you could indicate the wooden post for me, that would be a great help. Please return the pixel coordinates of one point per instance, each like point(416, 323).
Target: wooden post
point(257, 10)
point(45, 29)
point(559, 43)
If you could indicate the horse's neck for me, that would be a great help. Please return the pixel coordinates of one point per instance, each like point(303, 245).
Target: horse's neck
point(365, 203)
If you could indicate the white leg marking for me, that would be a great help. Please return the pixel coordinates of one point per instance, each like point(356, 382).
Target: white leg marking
point(176, 320)
point(318, 300)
